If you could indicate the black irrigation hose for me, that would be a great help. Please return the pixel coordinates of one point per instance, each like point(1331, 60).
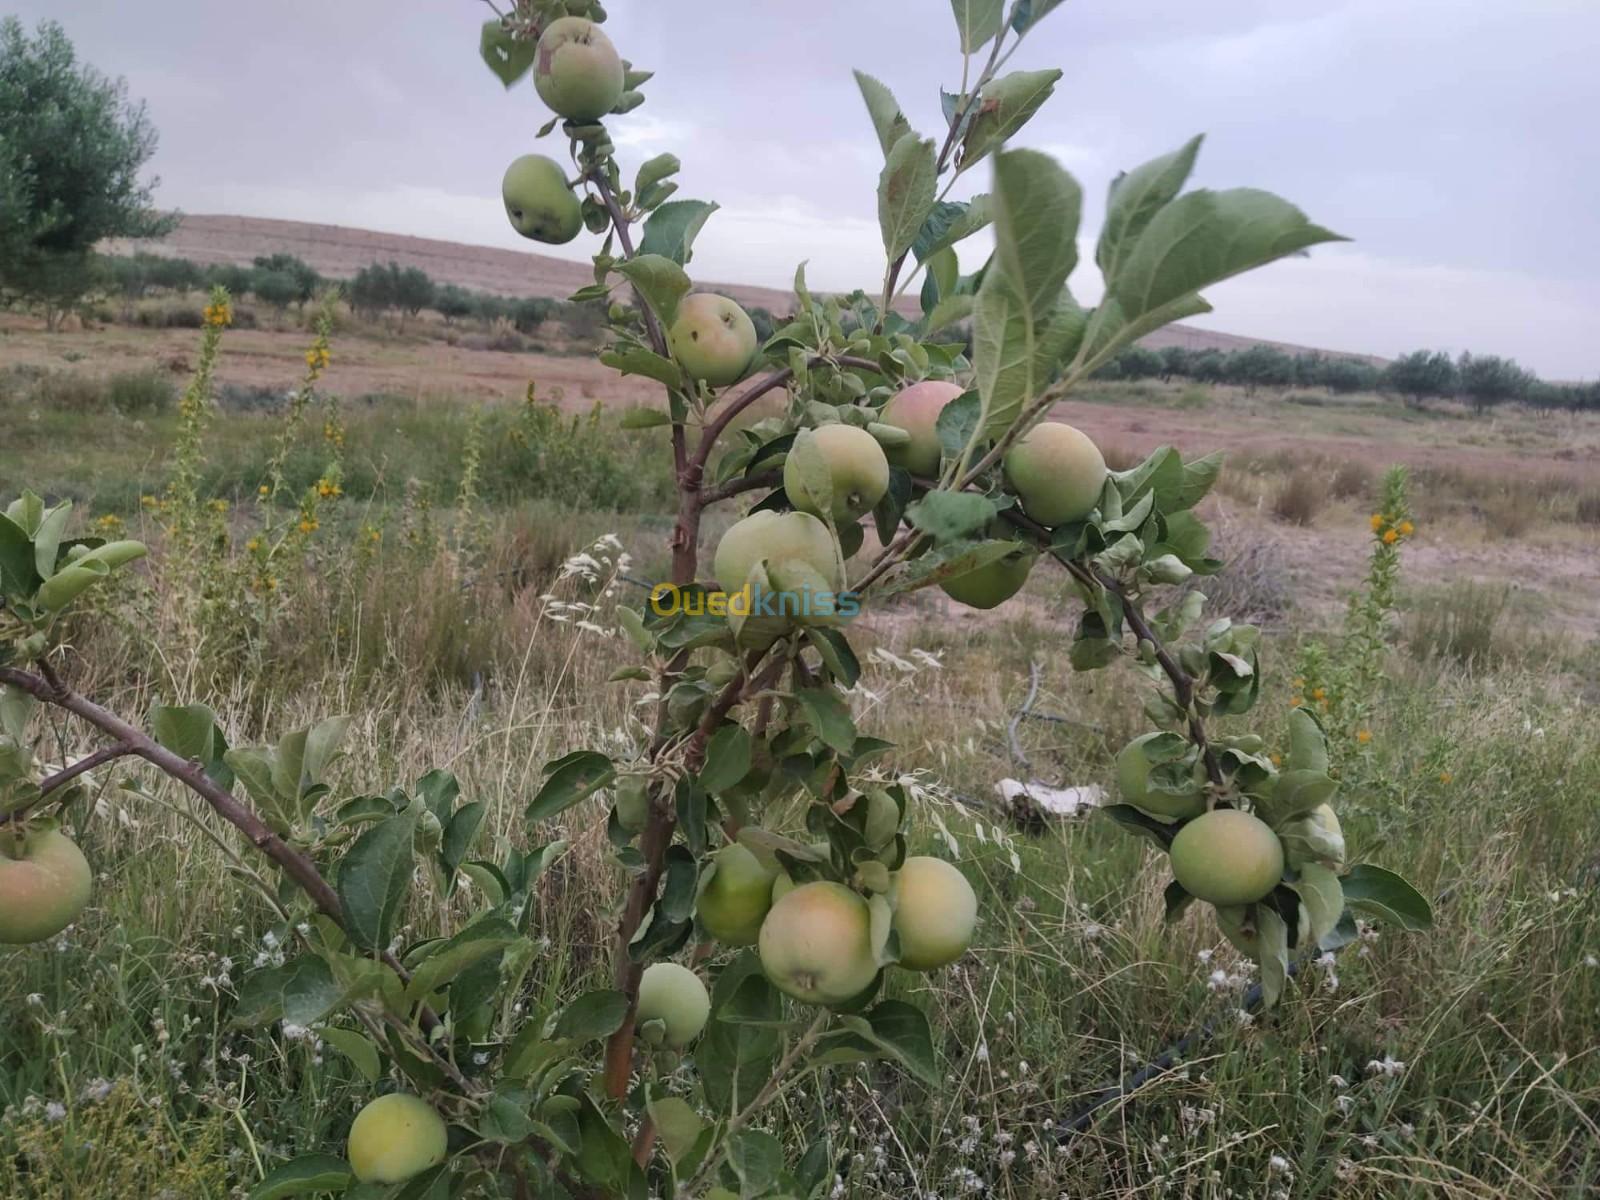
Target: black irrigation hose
point(1162, 1063)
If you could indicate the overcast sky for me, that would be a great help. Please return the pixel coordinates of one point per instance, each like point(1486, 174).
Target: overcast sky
point(1452, 139)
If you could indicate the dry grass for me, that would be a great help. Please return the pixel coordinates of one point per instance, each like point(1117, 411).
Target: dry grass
point(1300, 497)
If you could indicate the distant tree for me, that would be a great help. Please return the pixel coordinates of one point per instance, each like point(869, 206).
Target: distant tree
point(237, 279)
point(1260, 366)
point(1176, 360)
point(304, 275)
point(371, 292)
point(174, 274)
point(1421, 375)
point(1346, 375)
point(1308, 369)
point(412, 290)
point(453, 303)
point(71, 149)
point(1488, 380)
point(1209, 366)
point(277, 288)
point(1138, 363)
point(1548, 397)
point(531, 312)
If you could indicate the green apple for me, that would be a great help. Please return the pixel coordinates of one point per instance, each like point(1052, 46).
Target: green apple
point(1133, 778)
point(1227, 858)
point(577, 70)
point(1057, 473)
point(538, 201)
point(935, 913)
point(992, 584)
point(816, 944)
point(674, 996)
point(736, 899)
point(713, 339)
point(856, 465)
point(916, 409)
point(44, 885)
point(396, 1137)
point(776, 537)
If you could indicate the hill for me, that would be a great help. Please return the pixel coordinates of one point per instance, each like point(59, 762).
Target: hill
point(339, 252)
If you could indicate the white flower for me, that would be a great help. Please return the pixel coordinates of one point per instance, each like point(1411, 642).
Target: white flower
point(54, 1112)
point(1278, 1165)
point(1389, 1067)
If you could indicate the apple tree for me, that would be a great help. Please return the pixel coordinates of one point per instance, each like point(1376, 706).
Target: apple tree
point(758, 952)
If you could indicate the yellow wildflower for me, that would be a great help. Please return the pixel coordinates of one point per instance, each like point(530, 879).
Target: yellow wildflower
point(253, 545)
point(217, 315)
point(1363, 736)
point(1407, 528)
point(263, 490)
point(1390, 537)
point(1319, 693)
point(1445, 777)
point(1377, 522)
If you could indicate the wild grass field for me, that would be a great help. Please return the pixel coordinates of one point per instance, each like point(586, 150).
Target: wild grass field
point(454, 547)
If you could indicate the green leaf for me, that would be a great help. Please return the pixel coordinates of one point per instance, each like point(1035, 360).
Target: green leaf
point(1013, 355)
point(951, 310)
point(17, 574)
point(357, 1047)
point(322, 743)
point(1003, 108)
point(958, 423)
point(905, 192)
point(654, 170)
point(947, 562)
point(1135, 197)
point(490, 935)
point(571, 779)
point(47, 538)
point(304, 990)
point(660, 280)
point(647, 418)
point(951, 221)
point(887, 118)
point(757, 1159)
point(67, 584)
point(593, 1015)
point(1029, 13)
point(374, 877)
point(951, 516)
point(460, 834)
point(189, 731)
point(1037, 206)
point(670, 230)
point(727, 758)
point(836, 654)
point(509, 58)
point(977, 21)
point(1321, 893)
point(636, 360)
point(1205, 237)
point(1273, 940)
point(305, 1175)
point(734, 1061)
point(253, 766)
point(1374, 892)
point(828, 714)
point(678, 1124)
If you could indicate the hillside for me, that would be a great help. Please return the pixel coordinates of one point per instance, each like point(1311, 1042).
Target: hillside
point(339, 252)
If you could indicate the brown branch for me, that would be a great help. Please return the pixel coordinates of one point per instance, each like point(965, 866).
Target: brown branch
point(737, 487)
point(99, 758)
point(48, 687)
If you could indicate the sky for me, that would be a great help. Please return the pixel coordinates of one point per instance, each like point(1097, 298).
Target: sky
point(1452, 140)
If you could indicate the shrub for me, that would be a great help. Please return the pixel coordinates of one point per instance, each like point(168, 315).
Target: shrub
point(1588, 508)
point(1299, 498)
point(1460, 623)
point(1510, 511)
point(1352, 478)
point(138, 393)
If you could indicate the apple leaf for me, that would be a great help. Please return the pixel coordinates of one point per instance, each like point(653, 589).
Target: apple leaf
point(1374, 892)
point(670, 230)
point(906, 192)
point(1205, 237)
point(887, 118)
point(476, 942)
point(1029, 13)
point(592, 1016)
point(951, 222)
point(509, 58)
point(757, 1159)
point(357, 1047)
point(1036, 210)
point(659, 280)
point(374, 876)
point(977, 21)
point(636, 360)
point(1136, 196)
point(568, 780)
point(678, 1124)
point(188, 731)
point(727, 758)
point(828, 714)
point(306, 1175)
point(644, 418)
point(951, 516)
point(1273, 936)
point(1003, 108)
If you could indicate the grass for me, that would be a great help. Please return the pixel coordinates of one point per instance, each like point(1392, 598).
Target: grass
point(1459, 1063)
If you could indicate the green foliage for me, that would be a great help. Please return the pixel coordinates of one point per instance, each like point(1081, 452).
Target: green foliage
point(71, 149)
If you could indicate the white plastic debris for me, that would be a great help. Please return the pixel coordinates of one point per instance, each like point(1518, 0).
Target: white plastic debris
point(1060, 802)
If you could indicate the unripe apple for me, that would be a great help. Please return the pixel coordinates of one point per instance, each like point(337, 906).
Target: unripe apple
point(916, 409)
point(1227, 857)
point(396, 1137)
point(935, 913)
point(674, 996)
point(1057, 473)
point(713, 339)
point(775, 537)
point(44, 885)
point(816, 944)
point(782, 885)
point(737, 898)
point(992, 584)
point(1133, 778)
point(577, 72)
point(856, 465)
point(538, 201)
